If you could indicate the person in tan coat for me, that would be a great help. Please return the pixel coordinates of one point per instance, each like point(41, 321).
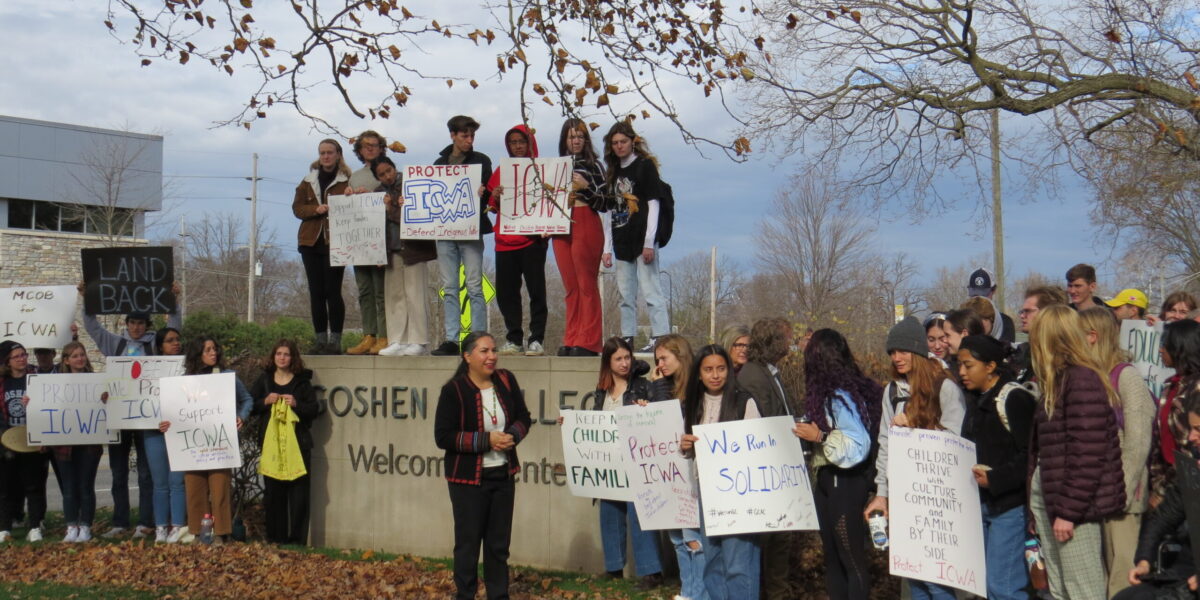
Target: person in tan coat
point(328, 175)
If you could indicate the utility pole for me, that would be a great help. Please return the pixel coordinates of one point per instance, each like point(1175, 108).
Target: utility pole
point(712, 297)
point(997, 213)
point(253, 249)
point(182, 267)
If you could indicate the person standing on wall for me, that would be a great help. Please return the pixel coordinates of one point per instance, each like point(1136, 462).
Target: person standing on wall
point(519, 257)
point(631, 229)
point(285, 379)
point(405, 280)
point(578, 253)
point(481, 417)
point(368, 147)
point(467, 253)
point(328, 176)
point(137, 340)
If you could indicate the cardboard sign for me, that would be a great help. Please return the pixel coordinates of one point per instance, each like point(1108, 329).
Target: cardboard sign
point(133, 389)
point(67, 410)
point(38, 317)
point(592, 452)
point(664, 487)
point(202, 410)
point(753, 477)
point(536, 195)
point(441, 202)
point(356, 230)
point(119, 281)
point(1142, 341)
point(1188, 473)
point(935, 524)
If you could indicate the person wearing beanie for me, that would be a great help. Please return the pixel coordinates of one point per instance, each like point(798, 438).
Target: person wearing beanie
point(922, 395)
point(999, 419)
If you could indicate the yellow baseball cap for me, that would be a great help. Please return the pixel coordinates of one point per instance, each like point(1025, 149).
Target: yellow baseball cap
point(1130, 296)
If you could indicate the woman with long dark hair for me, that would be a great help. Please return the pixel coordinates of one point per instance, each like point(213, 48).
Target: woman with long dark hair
point(921, 395)
point(999, 419)
point(170, 499)
point(285, 380)
point(77, 465)
point(25, 471)
point(842, 409)
point(210, 492)
point(328, 176)
point(481, 417)
point(732, 562)
point(578, 253)
point(1180, 351)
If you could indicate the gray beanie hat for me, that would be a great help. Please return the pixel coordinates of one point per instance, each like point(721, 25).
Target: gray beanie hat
point(908, 335)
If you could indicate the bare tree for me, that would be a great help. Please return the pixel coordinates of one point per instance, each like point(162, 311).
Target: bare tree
point(690, 287)
point(113, 195)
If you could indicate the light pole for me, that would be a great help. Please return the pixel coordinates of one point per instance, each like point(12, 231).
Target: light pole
point(670, 299)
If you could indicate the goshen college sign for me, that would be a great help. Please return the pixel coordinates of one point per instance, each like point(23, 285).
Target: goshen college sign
point(377, 479)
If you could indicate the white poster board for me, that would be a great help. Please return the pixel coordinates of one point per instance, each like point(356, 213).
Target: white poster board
point(67, 410)
point(753, 477)
point(664, 486)
point(356, 230)
point(202, 410)
point(1142, 342)
point(592, 453)
point(441, 202)
point(935, 525)
point(536, 198)
point(132, 384)
point(38, 317)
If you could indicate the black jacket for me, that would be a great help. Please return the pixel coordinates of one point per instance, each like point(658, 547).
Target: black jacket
point(474, 158)
point(637, 389)
point(1004, 449)
point(306, 407)
point(1169, 519)
point(458, 426)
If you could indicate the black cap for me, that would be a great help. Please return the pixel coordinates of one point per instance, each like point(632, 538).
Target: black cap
point(6, 348)
point(984, 347)
point(981, 283)
point(138, 315)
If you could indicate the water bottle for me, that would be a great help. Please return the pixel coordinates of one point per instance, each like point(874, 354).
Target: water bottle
point(206, 529)
point(877, 522)
point(1033, 552)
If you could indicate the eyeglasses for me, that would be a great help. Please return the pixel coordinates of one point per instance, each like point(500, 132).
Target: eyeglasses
point(1027, 311)
point(21, 355)
point(740, 345)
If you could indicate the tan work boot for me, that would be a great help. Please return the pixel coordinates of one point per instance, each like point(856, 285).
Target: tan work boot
point(380, 344)
point(363, 347)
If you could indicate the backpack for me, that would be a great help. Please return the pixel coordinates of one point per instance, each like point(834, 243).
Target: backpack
point(666, 215)
point(1029, 387)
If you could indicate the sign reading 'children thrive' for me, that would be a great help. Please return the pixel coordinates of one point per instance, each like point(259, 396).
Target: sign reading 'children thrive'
point(356, 223)
point(753, 477)
point(202, 412)
point(665, 493)
point(68, 410)
point(592, 453)
point(441, 202)
point(935, 525)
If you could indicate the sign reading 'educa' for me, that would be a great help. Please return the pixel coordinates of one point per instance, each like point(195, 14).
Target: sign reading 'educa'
point(130, 279)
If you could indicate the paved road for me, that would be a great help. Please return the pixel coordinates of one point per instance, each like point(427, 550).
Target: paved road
point(103, 488)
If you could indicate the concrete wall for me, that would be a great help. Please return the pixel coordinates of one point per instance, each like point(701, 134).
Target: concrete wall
point(385, 406)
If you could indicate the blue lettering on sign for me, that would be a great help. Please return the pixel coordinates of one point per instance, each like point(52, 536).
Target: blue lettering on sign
point(427, 200)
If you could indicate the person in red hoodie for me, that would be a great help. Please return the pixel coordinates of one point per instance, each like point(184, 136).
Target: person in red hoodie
point(517, 257)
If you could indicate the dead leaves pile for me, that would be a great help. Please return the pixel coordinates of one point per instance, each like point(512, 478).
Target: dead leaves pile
point(247, 571)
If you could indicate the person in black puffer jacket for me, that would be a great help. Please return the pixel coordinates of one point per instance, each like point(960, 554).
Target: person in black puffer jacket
point(286, 380)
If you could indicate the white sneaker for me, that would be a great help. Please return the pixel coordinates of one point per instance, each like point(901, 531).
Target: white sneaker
point(177, 533)
point(85, 534)
point(509, 348)
point(141, 531)
point(187, 538)
point(114, 532)
point(393, 349)
point(160, 534)
point(72, 534)
point(414, 350)
point(35, 535)
point(5, 536)
point(535, 349)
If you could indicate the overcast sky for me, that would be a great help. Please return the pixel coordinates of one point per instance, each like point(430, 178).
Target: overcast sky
point(63, 66)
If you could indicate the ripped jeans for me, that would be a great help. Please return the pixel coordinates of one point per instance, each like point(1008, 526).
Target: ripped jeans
point(691, 562)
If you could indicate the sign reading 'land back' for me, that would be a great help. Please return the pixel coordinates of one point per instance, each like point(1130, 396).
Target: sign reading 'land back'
point(131, 279)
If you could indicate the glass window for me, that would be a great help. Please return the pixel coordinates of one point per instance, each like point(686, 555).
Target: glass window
point(46, 217)
point(71, 217)
point(20, 214)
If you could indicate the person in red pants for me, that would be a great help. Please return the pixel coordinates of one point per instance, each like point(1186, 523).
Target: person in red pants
point(578, 253)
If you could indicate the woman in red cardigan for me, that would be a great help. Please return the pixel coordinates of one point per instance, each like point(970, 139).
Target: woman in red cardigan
point(481, 417)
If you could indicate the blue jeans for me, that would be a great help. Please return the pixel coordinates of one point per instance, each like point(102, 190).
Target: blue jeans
point(77, 480)
point(1004, 549)
point(635, 275)
point(612, 537)
point(170, 501)
point(733, 568)
point(923, 590)
point(691, 562)
point(470, 255)
point(118, 462)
